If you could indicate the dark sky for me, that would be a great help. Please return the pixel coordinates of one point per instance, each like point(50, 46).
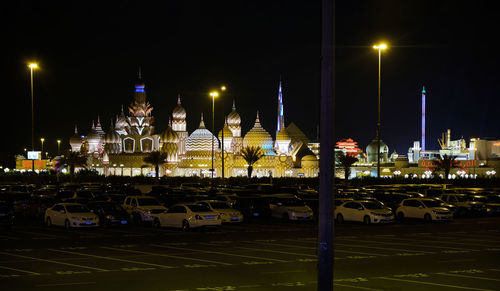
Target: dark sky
point(89, 53)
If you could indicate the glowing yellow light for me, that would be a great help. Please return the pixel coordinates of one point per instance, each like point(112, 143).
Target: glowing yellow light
point(42, 139)
point(33, 65)
point(214, 94)
point(58, 141)
point(381, 46)
point(223, 88)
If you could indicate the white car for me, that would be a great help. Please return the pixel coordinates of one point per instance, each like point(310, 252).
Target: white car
point(70, 215)
point(289, 208)
point(186, 216)
point(227, 213)
point(423, 208)
point(142, 208)
point(366, 211)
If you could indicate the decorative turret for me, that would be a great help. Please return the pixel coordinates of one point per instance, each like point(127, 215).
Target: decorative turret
point(234, 122)
point(168, 143)
point(283, 141)
point(112, 141)
point(259, 137)
point(140, 121)
point(179, 116)
point(228, 137)
point(75, 141)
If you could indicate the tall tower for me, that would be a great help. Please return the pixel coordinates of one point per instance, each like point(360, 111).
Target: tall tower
point(423, 118)
point(281, 118)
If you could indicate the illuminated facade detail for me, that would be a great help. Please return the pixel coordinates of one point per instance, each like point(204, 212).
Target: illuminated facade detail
point(259, 137)
point(423, 118)
point(349, 147)
point(281, 118)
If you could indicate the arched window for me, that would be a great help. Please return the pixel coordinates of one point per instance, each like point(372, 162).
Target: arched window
point(128, 145)
point(146, 145)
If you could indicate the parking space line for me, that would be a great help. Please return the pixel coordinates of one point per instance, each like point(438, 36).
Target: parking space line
point(221, 253)
point(39, 233)
point(272, 251)
point(66, 284)
point(467, 276)
point(434, 284)
point(112, 259)
point(314, 248)
point(55, 262)
point(449, 242)
point(425, 246)
point(22, 271)
point(464, 237)
point(356, 287)
point(168, 256)
point(381, 248)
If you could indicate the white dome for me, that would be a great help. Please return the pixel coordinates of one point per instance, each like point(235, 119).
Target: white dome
point(179, 111)
point(233, 119)
point(259, 137)
point(75, 140)
point(201, 139)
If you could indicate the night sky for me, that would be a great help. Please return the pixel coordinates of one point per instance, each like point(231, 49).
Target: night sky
point(89, 54)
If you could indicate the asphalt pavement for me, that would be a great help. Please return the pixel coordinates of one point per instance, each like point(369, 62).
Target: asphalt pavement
point(460, 255)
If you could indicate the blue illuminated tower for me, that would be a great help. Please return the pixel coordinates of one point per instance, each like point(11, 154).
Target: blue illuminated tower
point(281, 118)
point(423, 118)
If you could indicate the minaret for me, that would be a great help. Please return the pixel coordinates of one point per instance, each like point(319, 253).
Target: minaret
point(423, 118)
point(281, 118)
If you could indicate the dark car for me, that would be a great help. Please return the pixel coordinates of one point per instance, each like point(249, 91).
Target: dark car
point(6, 215)
point(253, 208)
point(109, 213)
point(391, 200)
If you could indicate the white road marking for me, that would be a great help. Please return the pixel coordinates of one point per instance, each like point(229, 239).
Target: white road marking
point(112, 259)
point(66, 284)
point(221, 253)
point(281, 252)
point(467, 276)
point(357, 287)
point(434, 284)
point(55, 262)
point(422, 246)
point(169, 256)
point(23, 271)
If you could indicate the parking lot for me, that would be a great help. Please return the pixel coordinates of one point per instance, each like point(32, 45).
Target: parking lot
point(462, 254)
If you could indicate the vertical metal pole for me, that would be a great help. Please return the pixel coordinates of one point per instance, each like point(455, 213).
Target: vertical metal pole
point(327, 160)
point(213, 120)
point(222, 155)
point(378, 119)
point(32, 122)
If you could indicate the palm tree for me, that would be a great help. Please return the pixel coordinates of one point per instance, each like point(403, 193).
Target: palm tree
point(251, 155)
point(156, 159)
point(346, 162)
point(445, 163)
point(72, 160)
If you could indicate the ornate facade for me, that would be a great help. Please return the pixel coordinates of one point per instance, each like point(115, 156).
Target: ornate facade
point(121, 150)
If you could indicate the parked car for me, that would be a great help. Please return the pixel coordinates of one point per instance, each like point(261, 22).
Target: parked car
point(427, 209)
point(70, 215)
point(142, 208)
point(465, 205)
point(253, 208)
point(186, 216)
point(494, 203)
point(227, 213)
point(6, 215)
point(109, 213)
point(391, 200)
point(288, 207)
point(366, 211)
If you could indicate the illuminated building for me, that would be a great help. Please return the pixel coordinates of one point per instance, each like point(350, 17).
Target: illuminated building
point(349, 147)
point(121, 150)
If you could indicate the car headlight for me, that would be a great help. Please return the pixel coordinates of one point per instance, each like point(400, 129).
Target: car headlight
point(147, 212)
point(110, 217)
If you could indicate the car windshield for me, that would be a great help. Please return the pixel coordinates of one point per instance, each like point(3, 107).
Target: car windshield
point(372, 205)
point(147, 202)
point(219, 205)
point(77, 208)
point(432, 203)
point(108, 207)
point(292, 202)
point(198, 208)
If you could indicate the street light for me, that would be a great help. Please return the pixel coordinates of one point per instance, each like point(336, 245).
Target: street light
point(32, 66)
point(380, 47)
point(42, 140)
point(213, 94)
point(58, 147)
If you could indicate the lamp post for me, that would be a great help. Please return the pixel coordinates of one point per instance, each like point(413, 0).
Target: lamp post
point(42, 140)
point(32, 66)
point(380, 48)
point(58, 147)
point(223, 88)
point(213, 94)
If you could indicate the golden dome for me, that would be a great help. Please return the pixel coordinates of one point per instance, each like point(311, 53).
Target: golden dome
point(112, 136)
point(179, 111)
point(258, 136)
point(227, 132)
point(169, 136)
point(283, 135)
point(233, 119)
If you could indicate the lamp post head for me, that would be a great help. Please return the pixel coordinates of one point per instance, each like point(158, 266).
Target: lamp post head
point(223, 88)
point(42, 139)
point(58, 141)
point(33, 65)
point(214, 94)
point(381, 46)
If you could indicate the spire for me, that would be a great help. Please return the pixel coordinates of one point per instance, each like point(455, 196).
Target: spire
point(140, 73)
point(179, 100)
point(169, 121)
point(98, 121)
point(93, 126)
point(111, 127)
point(76, 130)
point(423, 90)
point(257, 120)
point(202, 124)
point(234, 105)
point(122, 111)
point(281, 118)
